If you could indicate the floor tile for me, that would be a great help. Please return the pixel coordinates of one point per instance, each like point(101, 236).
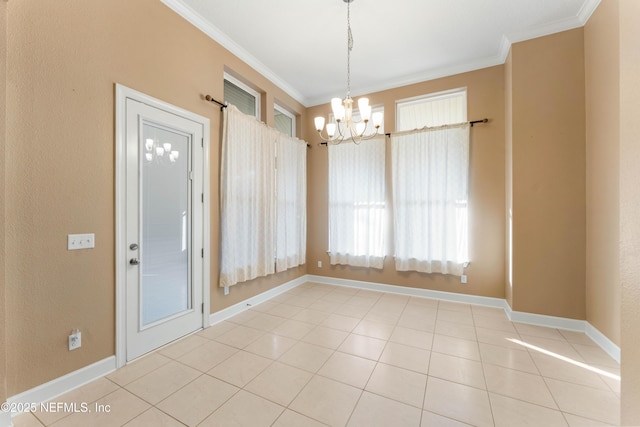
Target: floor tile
point(293, 419)
point(325, 306)
point(374, 329)
point(519, 385)
point(244, 409)
point(340, 322)
point(284, 310)
point(376, 411)
point(594, 355)
point(279, 383)
point(311, 316)
point(460, 402)
point(493, 322)
point(153, 417)
point(552, 367)
point(538, 331)
point(197, 400)
point(162, 382)
point(454, 306)
point(264, 322)
point(398, 384)
point(351, 310)
point(293, 329)
point(358, 345)
point(576, 421)
point(119, 407)
point(457, 369)
point(327, 401)
point(508, 412)
point(182, 346)
point(506, 357)
point(306, 356)
point(463, 317)
point(240, 369)
point(348, 369)
point(86, 394)
point(403, 356)
point(538, 345)
point(457, 330)
point(216, 330)
point(429, 419)
point(412, 337)
point(26, 419)
point(207, 356)
point(577, 337)
point(456, 347)
point(138, 368)
point(600, 405)
point(499, 338)
point(270, 345)
point(240, 337)
point(325, 337)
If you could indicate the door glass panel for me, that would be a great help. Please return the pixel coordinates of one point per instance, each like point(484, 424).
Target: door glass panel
point(165, 282)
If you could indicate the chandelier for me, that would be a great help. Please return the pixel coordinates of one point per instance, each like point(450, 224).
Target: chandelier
point(345, 125)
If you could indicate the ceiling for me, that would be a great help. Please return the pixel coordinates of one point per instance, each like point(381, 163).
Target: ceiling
point(301, 45)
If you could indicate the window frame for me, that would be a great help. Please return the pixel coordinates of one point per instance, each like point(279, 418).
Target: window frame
point(243, 86)
point(282, 110)
point(430, 97)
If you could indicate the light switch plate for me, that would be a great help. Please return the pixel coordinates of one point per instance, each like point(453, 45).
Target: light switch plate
point(81, 241)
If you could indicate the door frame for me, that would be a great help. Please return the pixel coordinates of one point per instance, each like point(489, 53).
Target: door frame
point(122, 94)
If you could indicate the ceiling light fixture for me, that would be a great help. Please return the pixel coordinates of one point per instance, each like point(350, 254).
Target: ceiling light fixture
point(345, 124)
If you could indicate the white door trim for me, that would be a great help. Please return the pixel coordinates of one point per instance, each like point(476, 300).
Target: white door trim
point(122, 93)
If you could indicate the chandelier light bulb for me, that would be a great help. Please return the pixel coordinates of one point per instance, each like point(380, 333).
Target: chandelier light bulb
point(319, 121)
point(331, 129)
point(149, 156)
point(377, 119)
point(360, 128)
point(167, 146)
point(160, 151)
point(175, 154)
point(149, 144)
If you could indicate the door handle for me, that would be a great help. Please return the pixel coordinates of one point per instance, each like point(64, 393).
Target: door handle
point(134, 261)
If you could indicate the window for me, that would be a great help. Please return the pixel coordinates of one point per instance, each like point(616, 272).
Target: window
point(284, 121)
point(430, 170)
point(242, 96)
point(443, 108)
point(357, 203)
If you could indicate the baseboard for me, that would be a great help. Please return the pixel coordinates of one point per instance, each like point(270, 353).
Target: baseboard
point(603, 342)
point(228, 312)
point(414, 292)
point(65, 383)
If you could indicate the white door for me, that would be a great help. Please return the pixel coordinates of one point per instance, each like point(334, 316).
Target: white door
point(164, 227)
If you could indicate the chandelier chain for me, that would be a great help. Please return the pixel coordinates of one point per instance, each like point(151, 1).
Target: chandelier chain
point(349, 48)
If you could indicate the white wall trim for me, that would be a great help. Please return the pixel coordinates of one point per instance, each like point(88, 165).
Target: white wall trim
point(228, 312)
point(65, 383)
point(603, 342)
point(415, 292)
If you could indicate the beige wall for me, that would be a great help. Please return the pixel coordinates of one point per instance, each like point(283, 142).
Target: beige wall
point(630, 208)
point(3, 91)
point(486, 273)
point(602, 73)
point(63, 61)
point(548, 170)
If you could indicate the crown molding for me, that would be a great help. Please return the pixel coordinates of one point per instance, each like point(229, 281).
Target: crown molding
point(225, 41)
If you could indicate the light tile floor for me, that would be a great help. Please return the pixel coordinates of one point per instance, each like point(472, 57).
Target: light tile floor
point(326, 355)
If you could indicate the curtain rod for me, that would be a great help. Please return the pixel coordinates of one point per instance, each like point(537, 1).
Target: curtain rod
point(210, 99)
point(473, 122)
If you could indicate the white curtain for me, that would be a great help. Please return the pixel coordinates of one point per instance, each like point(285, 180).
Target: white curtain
point(430, 175)
point(247, 198)
point(357, 203)
point(291, 239)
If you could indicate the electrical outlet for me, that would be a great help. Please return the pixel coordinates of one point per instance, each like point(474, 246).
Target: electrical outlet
point(81, 241)
point(463, 278)
point(75, 340)
point(319, 264)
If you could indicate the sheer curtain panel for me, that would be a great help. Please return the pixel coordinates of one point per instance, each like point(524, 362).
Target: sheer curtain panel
point(247, 199)
point(291, 229)
point(430, 174)
point(357, 203)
